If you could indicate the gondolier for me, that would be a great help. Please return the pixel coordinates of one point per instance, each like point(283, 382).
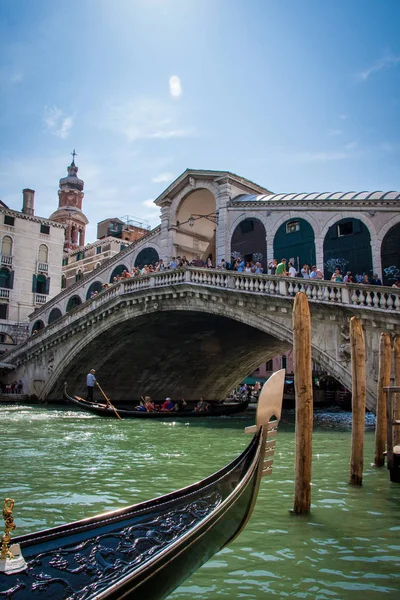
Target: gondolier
point(90, 382)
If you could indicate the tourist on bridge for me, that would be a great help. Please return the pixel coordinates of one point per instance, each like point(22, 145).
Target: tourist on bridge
point(281, 268)
point(375, 280)
point(90, 382)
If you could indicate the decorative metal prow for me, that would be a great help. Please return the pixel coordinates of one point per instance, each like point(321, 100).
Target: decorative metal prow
point(10, 525)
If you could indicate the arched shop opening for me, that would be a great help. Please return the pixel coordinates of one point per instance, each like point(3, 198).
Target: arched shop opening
point(390, 255)
point(147, 256)
point(73, 302)
point(117, 272)
point(54, 315)
point(249, 242)
point(96, 286)
point(37, 326)
point(347, 245)
point(295, 241)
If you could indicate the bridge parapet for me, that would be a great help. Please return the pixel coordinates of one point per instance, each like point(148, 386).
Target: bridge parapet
point(377, 298)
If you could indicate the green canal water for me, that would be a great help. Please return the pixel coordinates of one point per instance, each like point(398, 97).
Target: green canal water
point(60, 465)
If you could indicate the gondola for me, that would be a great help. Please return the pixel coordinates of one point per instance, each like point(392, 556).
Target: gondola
point(148, 549)
point(106, 410)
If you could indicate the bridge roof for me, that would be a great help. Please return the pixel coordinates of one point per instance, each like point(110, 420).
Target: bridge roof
point(182, 180)
point(319, 196)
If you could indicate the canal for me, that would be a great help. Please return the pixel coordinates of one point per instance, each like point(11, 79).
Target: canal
point(61, 465)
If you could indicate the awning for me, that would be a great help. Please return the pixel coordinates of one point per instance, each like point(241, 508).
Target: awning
point(253, 380)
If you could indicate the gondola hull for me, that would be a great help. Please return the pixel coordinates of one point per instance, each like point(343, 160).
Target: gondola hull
point(148, 549)
point(103, 410)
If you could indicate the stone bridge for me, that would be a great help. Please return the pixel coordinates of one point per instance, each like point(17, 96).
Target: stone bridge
point(191, 332)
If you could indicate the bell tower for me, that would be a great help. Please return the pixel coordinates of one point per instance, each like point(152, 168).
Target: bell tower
point(69, 212)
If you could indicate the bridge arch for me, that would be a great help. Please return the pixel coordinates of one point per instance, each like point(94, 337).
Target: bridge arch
point(390, 255)
point(195, 232)
point(192, 186)
point(295, 239)
point(249, 240)
point(265, 335)
point(354, 251)
point(55, 314)
point(73, 301)
point(96, 286)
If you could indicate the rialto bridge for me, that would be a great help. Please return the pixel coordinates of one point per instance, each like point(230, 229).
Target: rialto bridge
point(191, 332)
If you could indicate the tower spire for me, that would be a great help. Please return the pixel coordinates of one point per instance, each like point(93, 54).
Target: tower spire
point(73, 153)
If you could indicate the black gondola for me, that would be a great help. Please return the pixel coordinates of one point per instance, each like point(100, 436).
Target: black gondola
point(148, 549)
point(106, 410)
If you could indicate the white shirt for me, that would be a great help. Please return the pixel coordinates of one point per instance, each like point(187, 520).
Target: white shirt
point(292, 272)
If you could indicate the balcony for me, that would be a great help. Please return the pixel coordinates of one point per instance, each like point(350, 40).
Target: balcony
point(40, 298)
point(4, 293)
point(6, 260)
point(42, 267)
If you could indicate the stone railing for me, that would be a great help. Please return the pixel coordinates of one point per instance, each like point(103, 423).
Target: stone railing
point(375, 297)
point(342, 294)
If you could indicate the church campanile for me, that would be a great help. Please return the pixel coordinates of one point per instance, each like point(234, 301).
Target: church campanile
point(69, 212)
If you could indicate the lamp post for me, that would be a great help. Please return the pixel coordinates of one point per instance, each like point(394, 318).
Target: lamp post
point(213, 217)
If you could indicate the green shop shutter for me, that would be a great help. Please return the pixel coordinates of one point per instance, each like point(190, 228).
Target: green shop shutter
point(34, 284)
point(47, 285)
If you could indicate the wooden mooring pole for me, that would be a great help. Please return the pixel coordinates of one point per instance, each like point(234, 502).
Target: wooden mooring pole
point(385, 356)
point(359, 400)
point(396, 369)
point(304, 403)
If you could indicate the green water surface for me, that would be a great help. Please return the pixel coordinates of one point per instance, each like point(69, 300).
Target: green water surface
point(61, 465)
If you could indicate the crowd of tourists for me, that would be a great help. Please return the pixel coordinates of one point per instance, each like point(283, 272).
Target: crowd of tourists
point(282, 268)
point(147, 405)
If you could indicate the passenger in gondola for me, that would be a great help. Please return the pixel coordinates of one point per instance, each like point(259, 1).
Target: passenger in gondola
point(149, 404)
point(201, 406)
point(90, 382)
point(168, 405)
point(180, 405)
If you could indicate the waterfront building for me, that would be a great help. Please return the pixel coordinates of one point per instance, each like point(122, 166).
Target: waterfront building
point(30, 271)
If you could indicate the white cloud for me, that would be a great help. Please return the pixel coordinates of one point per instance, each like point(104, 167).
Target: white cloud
point(56, 122)
point(150, 204)
point(175, 87)
point(343, 117)
point(144, 118)
point(389, 60)
point(163, 178)
point(335, 132)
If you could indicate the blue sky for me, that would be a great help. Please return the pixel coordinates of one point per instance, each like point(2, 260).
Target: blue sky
point(296, 95)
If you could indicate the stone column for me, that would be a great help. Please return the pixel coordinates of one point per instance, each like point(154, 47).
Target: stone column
point(222, 240)
point(81, 237)
point(166, 236)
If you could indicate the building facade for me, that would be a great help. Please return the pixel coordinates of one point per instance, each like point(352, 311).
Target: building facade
point(30, 272)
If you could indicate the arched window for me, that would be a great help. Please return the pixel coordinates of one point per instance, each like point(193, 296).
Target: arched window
point(295, 241)
point(63, 282)
point(43, 255)
point(390, 255)
point(347, 246)
point(6, 246)
point(79, 275)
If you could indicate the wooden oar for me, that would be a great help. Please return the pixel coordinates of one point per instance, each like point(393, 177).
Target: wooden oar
point(108, 401)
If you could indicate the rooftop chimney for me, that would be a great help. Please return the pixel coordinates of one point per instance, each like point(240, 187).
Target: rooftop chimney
point(28, 202)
